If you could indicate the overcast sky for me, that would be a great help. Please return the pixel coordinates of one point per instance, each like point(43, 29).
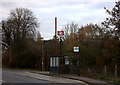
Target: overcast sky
point(79, 11)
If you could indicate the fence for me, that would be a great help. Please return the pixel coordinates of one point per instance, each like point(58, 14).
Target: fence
point(105, 71)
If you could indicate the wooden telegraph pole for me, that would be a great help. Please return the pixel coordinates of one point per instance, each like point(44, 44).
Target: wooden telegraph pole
point(56, 35)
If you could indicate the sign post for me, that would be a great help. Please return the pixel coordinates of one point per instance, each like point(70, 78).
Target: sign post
point(60, 34)
point(76, 50)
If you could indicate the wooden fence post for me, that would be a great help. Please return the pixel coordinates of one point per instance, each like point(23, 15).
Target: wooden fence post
point(115, 71)
point(105, 70)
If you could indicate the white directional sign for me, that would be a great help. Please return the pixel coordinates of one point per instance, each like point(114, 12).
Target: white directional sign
point(76, 49)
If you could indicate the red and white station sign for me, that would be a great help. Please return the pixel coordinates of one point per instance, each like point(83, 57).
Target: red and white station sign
point(60, 33)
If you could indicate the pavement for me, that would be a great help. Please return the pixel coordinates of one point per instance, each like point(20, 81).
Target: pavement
point(75, 77)
point(12, 77)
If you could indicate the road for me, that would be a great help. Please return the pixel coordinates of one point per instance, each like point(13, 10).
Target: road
point(23, 77)
point(13, 78)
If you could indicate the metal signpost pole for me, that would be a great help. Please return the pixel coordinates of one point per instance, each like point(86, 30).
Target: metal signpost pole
point(78, 63)
point(76, 50)
point(60, 34)
point(60, 47)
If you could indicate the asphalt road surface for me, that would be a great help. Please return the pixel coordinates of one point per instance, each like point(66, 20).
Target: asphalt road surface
point(11, 78)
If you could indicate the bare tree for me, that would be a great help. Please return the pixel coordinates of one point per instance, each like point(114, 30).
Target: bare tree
point(112, 23)
point(66, 30)
point(70, 29)
point(21, 24)
point(24, 21)
point(73, 27)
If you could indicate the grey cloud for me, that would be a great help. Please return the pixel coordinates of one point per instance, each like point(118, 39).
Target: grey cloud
point(101, 5)
point(8, 4)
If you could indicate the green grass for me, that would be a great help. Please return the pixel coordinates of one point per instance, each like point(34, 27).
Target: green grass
point(115, 80)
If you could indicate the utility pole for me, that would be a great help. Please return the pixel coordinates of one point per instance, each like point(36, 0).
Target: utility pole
point(56, 35)
point(0, 49)
point(118, 15)
point(78, 56)
point(10, 49)
point(119, 18)
point(42, 44)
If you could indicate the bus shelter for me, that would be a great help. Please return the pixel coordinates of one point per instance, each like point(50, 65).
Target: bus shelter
point(54, 65)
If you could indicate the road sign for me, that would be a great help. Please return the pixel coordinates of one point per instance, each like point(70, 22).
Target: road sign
point(60, 33)
point(76, 49)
